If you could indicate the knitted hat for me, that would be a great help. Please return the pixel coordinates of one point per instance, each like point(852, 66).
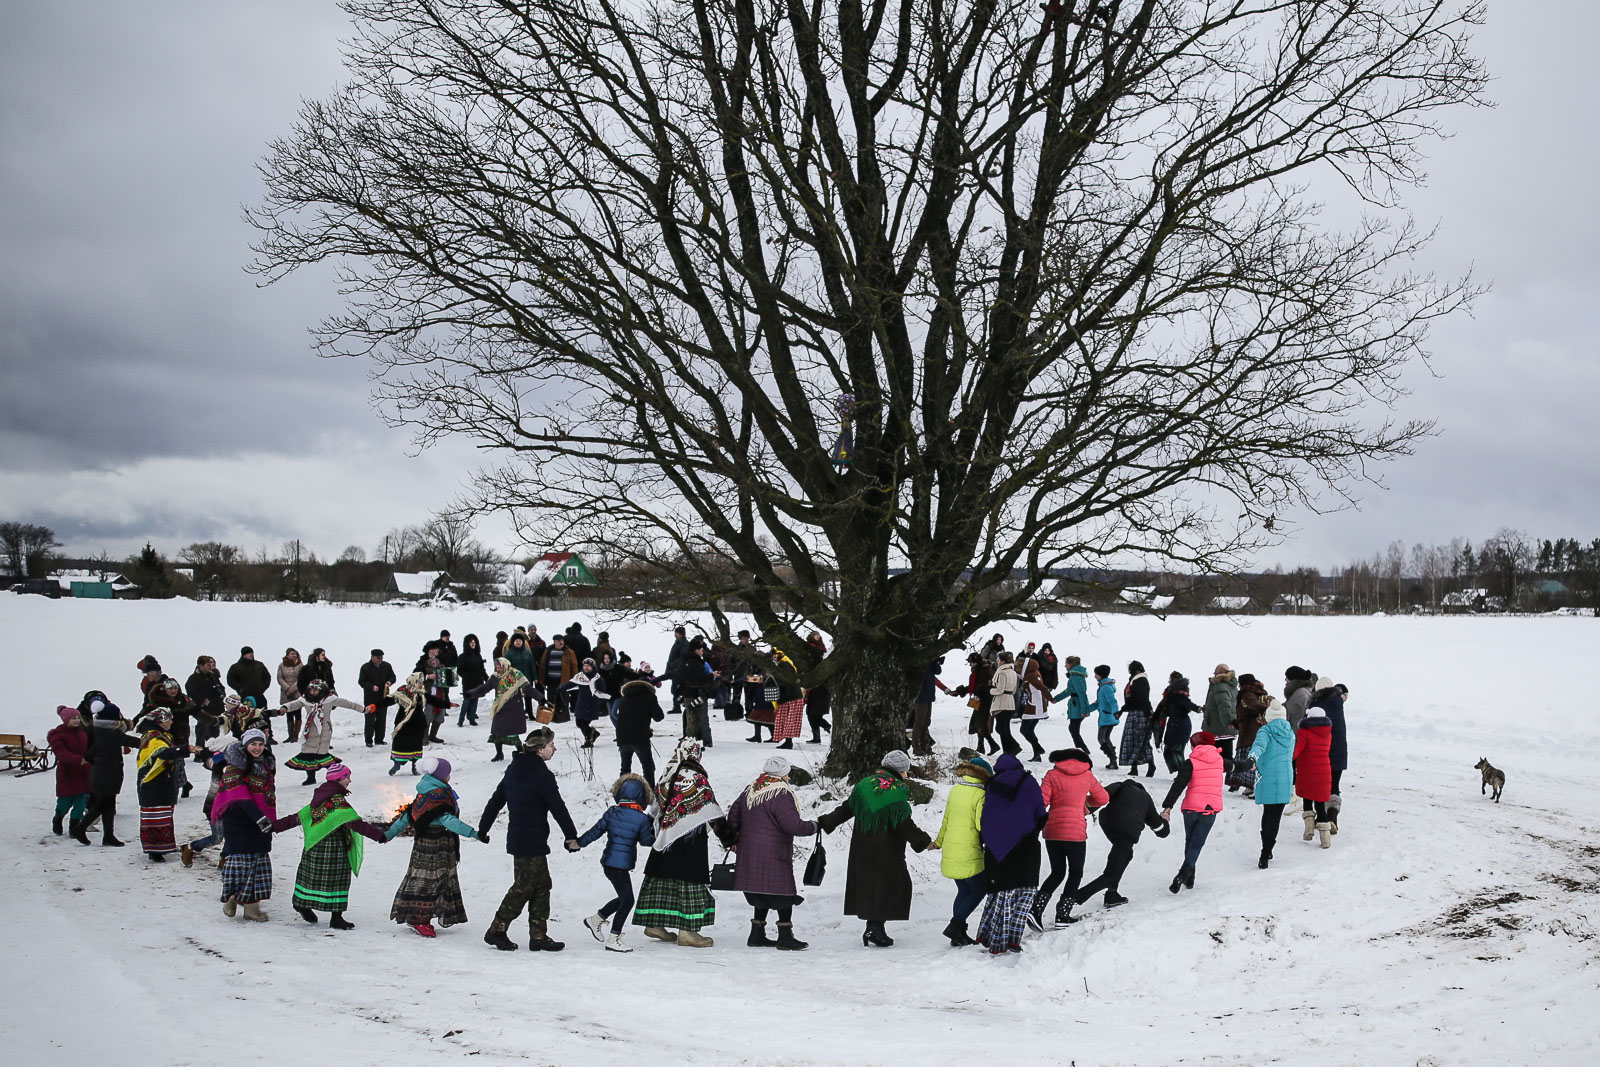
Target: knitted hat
point(106, 712)
point(1294, 674)
point(1077, 755)
point(898, 762)
point(981, 763)
point(436, 766)
point(1324, 682)
point(149, 664)
point(68, 715)
point(1222, 668)
point(777, 766)
point(252, 735)
point(338, 772)
point(1275, 710)
point(247, 651)
point(1203, 737)
point(645, 666)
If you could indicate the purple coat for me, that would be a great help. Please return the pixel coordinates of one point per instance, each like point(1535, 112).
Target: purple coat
point(766, 836)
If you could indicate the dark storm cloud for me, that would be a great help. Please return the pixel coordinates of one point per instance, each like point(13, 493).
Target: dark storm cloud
point(150, 389)
point(127, 145)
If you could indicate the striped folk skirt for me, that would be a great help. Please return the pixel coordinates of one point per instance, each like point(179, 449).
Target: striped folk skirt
point(786, 722)
point(322, 881)
point(247, 876)
point(155, 830)
point(678, 905)
point(430, 889)
point(310, 761)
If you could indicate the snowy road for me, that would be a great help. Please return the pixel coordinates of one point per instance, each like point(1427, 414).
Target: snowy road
point(1440, 928)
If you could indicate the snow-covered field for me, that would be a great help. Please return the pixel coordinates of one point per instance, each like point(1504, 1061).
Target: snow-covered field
point(1440, 928)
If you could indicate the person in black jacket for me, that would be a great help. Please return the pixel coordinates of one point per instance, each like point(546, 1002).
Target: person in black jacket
point(250, 678)
point(578, 643)
point(675, 657)
point(637, 710)
point(1122, 820)
point(316, 667)
point(473, 672)
point(206, 693)
point(531, 796)
point(376, 678)
point(107, 739)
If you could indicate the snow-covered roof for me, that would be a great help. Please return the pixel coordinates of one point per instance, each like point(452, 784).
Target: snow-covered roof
point(1230, 603)
point(1464, 598)
point(66, 577)
point(421, 583)
point(1145, 597)
point(1295, 600)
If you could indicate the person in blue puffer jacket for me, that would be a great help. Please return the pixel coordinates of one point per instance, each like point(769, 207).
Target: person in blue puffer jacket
point(1105, 702)
point(1273, 755)
point(626, 827)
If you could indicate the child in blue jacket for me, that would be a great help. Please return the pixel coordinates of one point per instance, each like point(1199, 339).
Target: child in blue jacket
point(626, 827)
point(1105, 702)
point(1076, 694)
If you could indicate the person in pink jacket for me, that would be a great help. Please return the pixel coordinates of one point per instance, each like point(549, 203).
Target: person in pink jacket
point(1200, 782)
point(1070, 793)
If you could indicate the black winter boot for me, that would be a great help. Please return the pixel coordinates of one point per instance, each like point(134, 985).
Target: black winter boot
point(787, 940)
point(1036, 915)
point(337, 921)
point(1177, 880)
point(110, 836)
point(758, 935)
point(78, 833)
point(956, 931)
point(307, 914)
point(1151, 773)
point(311, 778)
point(55, 823)
point(1064, 916)
point(1188, 877)
point(876, 935)
point(499, 752)
point(788, 742)
point(496, 936)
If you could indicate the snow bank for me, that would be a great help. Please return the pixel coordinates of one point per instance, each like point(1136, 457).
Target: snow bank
point(1439, 929)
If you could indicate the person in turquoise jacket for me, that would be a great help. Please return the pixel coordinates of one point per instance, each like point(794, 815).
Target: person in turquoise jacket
point(626, 826)
point(1076, 694)
point(1273, 754)
point(1105, 702)
point(961, 846)
point(431, 890)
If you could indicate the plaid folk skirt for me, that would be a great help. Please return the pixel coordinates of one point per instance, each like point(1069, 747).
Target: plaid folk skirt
point(155, 830)
point(430, 889)
point(672, 903)
point(1005, 917)
point(786, 721)
point(322, 881)
point(1136, 739)
point(247, 876)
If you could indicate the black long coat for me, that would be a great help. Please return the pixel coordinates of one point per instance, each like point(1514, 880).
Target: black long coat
point(105, 752)
point(877, 885)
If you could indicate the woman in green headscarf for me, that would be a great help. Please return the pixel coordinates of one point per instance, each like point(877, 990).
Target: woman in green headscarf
point(333, 849)
point(877, 885)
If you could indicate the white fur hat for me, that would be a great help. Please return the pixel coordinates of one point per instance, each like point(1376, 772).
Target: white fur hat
point(1274, 710)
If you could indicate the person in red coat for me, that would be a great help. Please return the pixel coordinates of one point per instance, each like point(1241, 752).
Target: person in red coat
point(1313, 772)
point(70, 743)
point(1070, 791)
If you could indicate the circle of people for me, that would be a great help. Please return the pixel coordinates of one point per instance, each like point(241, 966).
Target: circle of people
point(999, 820)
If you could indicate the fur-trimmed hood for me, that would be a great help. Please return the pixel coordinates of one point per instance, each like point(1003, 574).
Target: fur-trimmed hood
point(638, 686)
point(633, 789)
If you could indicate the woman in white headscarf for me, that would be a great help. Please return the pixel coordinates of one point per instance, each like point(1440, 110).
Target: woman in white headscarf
point(676, 894)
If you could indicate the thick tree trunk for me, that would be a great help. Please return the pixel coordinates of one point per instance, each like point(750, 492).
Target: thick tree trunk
point(872, 704)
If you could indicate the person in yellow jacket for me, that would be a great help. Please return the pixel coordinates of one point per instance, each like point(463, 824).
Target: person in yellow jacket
point(961, 849)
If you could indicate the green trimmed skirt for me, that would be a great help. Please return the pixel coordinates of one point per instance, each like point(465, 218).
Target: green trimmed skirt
point(668, 902)
point(322, 881)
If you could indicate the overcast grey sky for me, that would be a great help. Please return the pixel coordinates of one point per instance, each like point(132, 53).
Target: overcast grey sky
point(151, 390)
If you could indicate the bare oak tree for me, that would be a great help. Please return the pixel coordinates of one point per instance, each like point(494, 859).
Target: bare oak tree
point(1059, 267)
